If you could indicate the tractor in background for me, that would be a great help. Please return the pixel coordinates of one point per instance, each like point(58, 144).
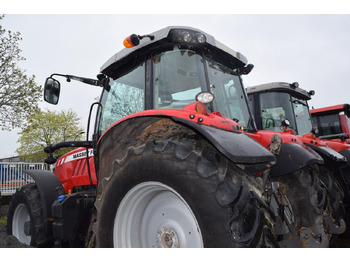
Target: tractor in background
point(332, 122)
point(283, 107)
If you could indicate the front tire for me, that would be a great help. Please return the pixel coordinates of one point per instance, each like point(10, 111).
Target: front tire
point(179, 193)
point(25, 218)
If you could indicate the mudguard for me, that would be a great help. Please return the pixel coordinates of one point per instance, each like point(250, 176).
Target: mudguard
point(236, 146)
point(47, 184)
point(346, 154)
point(294, 157)
point(328, 152)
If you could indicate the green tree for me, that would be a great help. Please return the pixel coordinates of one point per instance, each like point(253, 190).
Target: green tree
point(47, 127)
point(19, 94)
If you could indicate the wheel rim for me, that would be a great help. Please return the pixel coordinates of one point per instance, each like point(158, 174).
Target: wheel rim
point(20, 217)
point(154, 215)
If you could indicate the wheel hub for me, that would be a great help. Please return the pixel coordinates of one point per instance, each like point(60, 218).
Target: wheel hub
point(153, 214)
point(21, 224)
point(167, 238)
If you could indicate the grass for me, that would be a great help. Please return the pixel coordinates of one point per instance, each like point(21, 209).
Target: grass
point(3, 214)
point(3, 220)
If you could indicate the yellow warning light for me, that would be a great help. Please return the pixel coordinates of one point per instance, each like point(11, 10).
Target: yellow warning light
point(131, 41)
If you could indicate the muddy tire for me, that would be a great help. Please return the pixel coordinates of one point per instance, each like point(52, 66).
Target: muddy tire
point(25, 218)
point(343, 179)
point(179, 192)
point(309, 201)
point(334, 192)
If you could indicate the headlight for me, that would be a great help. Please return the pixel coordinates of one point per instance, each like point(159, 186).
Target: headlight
point(285, 123)
point(205, 97)
point(187, 36)
point(201, 38)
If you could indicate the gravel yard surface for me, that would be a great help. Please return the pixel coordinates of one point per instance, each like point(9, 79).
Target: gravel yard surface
point(7, 241)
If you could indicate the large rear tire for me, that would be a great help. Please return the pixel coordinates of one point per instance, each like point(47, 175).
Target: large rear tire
point(336, 212)
point(309, 202)
point(25, 218)
point(179, 192)
point(342, 177)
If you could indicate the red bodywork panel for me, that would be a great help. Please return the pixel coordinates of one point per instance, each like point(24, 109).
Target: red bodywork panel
point(71, 169)
point(336, 144)
point(189, 113)
point(264, 137)
point(328, 109)
point(344, 124)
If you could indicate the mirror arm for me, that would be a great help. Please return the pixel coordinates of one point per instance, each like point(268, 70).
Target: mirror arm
point(89, 81)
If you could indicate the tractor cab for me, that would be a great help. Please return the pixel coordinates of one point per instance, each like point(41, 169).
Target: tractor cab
point(333, 122)
point(167, 70)
point(278, 105)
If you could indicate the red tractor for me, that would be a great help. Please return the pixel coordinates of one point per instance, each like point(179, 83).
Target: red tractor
point(299, 168)
point(333, 122)
point(278, 102)
point(167, 166)
point(333, 126)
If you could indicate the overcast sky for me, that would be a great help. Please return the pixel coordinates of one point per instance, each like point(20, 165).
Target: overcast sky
point(313, 50)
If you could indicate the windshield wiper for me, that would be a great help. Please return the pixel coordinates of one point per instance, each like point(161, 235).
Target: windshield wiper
point(221, 68)
point(299, 102)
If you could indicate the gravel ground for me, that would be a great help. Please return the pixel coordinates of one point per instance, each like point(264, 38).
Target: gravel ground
point(7, 241)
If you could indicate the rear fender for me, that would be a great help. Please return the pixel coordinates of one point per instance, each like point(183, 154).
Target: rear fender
point(294, 157)
point(346, 154)
point(329, 155)
point(236, 146)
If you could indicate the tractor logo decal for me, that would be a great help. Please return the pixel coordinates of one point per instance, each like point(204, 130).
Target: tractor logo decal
point(79, 155)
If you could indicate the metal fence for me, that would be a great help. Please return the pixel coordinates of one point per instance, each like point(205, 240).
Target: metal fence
point(12, 175)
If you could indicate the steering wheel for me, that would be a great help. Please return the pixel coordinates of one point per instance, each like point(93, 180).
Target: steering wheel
point(270, 123)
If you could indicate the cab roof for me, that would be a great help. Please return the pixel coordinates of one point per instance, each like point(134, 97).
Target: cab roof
point(280, 87)
point(161, 37)
point(331, 109)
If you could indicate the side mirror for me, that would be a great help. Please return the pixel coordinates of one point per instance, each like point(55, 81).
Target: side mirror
point(52, 90)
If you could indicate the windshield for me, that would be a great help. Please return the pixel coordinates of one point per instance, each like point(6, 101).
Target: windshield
point(276, 107)
point(230, 98)
point(178, 76)
point(302, 116)
point(327, 124)
point(122, 97)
